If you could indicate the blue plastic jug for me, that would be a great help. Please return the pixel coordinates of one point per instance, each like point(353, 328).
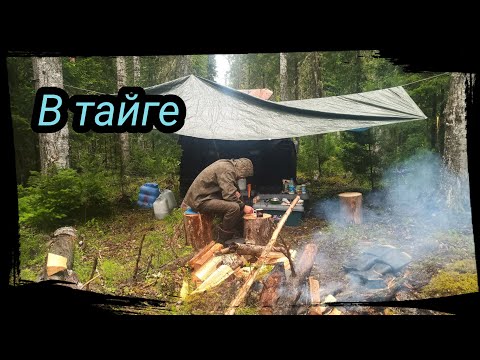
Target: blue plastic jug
point(147, 195)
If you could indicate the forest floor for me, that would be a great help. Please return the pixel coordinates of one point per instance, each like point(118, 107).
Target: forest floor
point(442, 262)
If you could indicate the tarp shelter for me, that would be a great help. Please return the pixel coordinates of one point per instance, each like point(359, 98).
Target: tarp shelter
point(217, 112)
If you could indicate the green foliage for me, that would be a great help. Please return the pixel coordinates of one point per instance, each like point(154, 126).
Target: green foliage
point(61, 197)
point(28, 274)
point(32, 248)
point(91, 73)
point(315, 150)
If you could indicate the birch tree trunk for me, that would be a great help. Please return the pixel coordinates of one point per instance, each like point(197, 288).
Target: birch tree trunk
point(122, 81)
point(54, 147)
point(283, 77)
point(455, 145)
point(122, 137)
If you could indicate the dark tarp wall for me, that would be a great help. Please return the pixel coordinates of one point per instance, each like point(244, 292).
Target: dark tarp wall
point(273, 160)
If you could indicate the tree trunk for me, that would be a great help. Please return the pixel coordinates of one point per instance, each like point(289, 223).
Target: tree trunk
point(358, 73)
point(318, 138)
point(318, 82)
point(136, 82)
point(283, 77)
point(455, 145)
point(211, 68)
point(54, 147)
point(318, 74)
point(184, 66)
point(296, 79)
point(122, 137)
point(351, 207)
point(136, 71)
point(455, 149)
point(59, 261)
point(433, 124)
point(244, 75)
point(121, 82)
point(257, 231)
point(198, 230)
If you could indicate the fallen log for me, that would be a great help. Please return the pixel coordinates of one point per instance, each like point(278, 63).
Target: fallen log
point(254, 250)
point(59, 260)
point(251, 278)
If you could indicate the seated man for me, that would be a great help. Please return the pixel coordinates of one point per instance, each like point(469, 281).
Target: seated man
point(215, 191)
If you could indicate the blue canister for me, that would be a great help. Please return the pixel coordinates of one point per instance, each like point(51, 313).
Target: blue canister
point(147, 195)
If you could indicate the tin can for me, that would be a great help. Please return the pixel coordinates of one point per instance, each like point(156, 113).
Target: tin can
point(304, 189)
point(299, 189)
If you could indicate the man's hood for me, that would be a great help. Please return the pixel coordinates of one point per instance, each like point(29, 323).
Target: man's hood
point(243, 167)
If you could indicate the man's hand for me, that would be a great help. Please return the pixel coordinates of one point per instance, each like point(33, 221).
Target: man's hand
point(248, 209)
point(237, 194)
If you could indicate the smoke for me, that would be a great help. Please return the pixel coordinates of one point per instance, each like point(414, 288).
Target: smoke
point(420, 191)
point(420, 201)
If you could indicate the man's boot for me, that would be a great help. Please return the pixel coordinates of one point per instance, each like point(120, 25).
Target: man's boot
point(223, 235)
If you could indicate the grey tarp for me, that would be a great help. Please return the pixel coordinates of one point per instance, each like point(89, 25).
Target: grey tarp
point(215, 111)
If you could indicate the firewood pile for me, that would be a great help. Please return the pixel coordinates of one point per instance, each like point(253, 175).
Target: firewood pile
point(285, 290)
point(214, 264)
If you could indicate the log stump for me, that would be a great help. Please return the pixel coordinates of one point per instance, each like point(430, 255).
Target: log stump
point(198, 229)
point(351, 207)
point(257, 231)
